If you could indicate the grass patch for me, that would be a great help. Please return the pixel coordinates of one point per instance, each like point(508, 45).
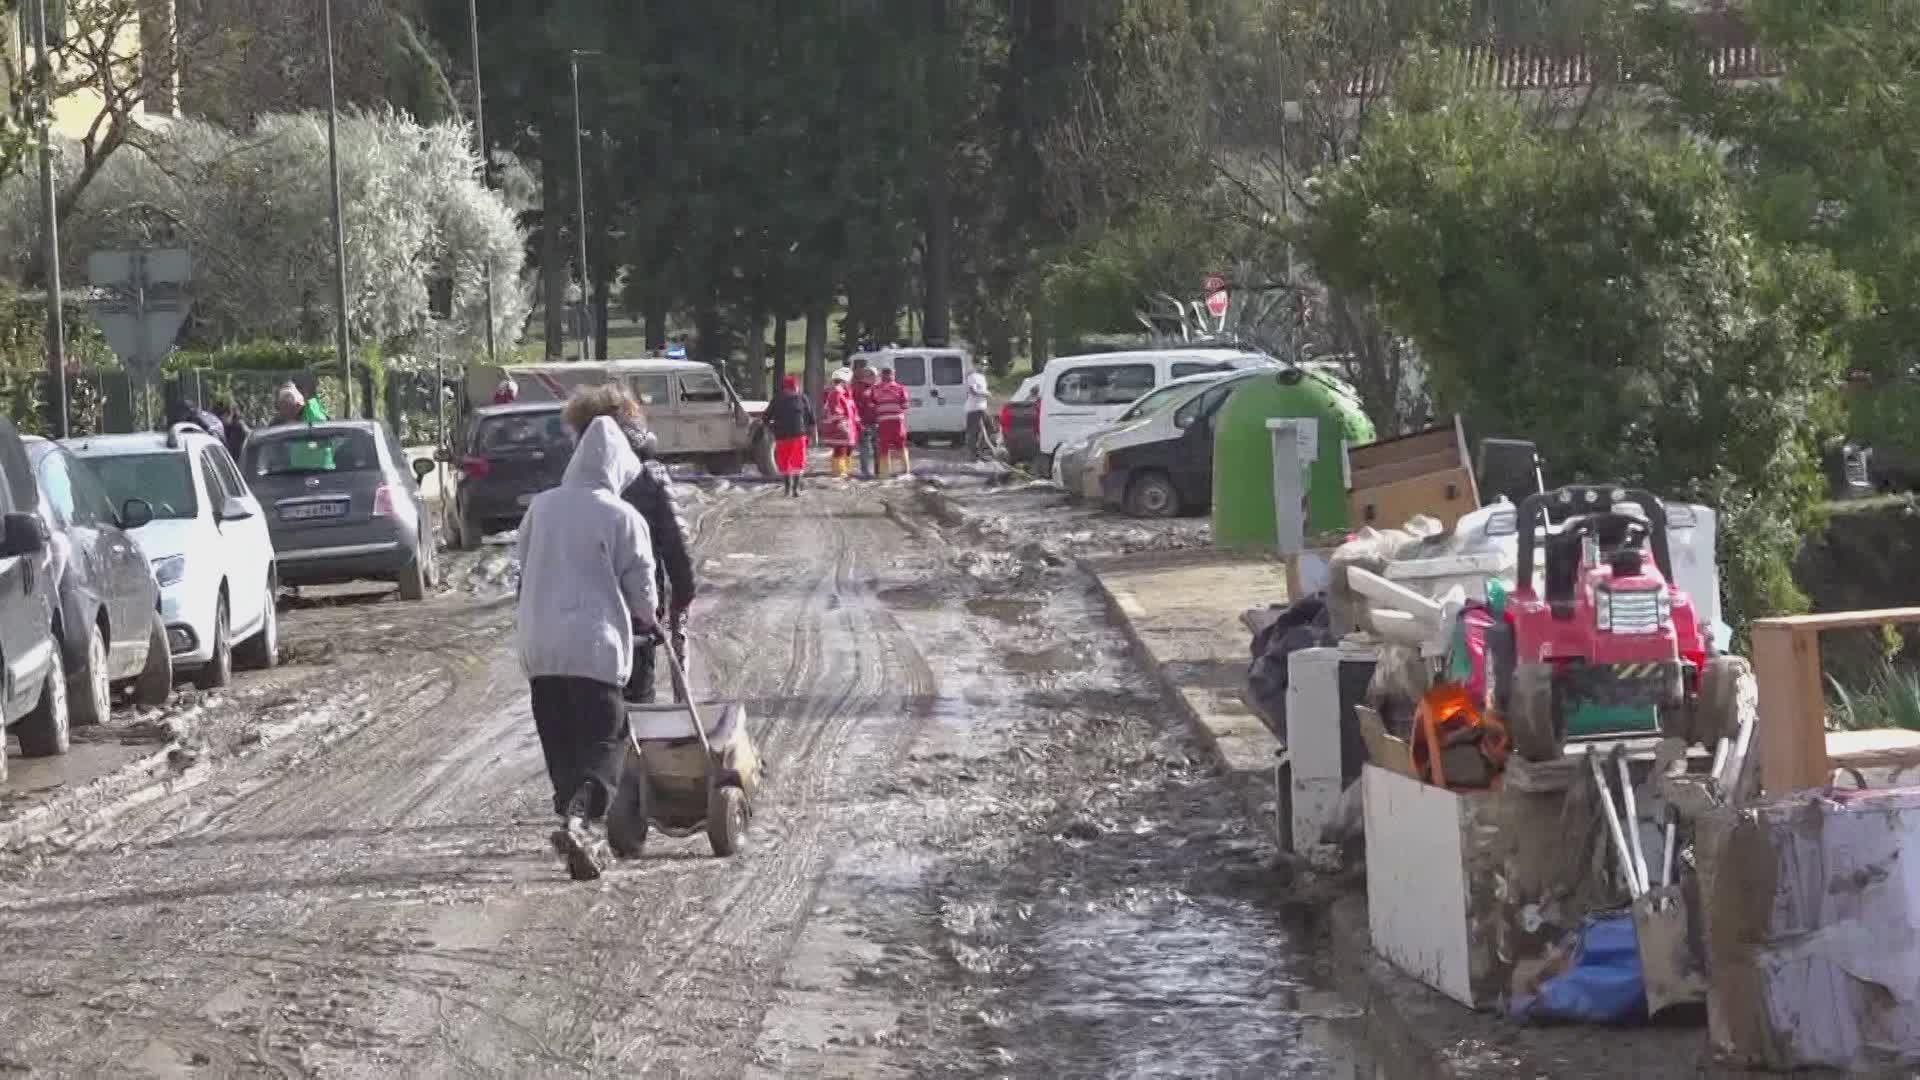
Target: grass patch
point(1890, 699)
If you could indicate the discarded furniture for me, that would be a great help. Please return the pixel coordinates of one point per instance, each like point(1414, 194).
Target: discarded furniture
point(1325, 750)
point(1428, 472)
point(1793, 702)
point(1813, 932)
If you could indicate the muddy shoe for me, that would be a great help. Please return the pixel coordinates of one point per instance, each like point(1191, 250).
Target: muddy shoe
point(574, 844)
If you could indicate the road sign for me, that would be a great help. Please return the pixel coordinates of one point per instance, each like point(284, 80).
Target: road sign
point(1214, 283)
point(1217, 302)
point(140, 301)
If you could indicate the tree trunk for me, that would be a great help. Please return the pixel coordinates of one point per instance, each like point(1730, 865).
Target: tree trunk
point(553, 259)
point(816, 369)
point(1039, 339)
point(706, 326)
point(656, 319)
point(939, 208)
point(999, 344)
point(779, 353)
point(755, 384)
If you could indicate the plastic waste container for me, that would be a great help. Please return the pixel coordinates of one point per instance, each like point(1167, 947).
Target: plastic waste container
point(1243, 512)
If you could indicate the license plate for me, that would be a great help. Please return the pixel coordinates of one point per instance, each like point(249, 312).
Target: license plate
point(313, 511)
point(523, 500)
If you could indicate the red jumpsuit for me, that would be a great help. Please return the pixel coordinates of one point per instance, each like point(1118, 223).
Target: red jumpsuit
point(890, 403)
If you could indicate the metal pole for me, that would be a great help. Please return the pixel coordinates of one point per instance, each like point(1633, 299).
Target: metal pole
point(343, 345)
point(486, 172)
point(580, 191)
point(50, 236)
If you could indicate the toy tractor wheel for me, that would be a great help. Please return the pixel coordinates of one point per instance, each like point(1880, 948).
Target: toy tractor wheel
point(1716, 714)
point(1533, 718)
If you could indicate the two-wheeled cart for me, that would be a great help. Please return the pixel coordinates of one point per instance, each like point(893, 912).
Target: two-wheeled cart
point(690, 766)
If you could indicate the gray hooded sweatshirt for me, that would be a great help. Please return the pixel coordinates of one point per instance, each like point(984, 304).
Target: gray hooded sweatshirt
point(586, 566)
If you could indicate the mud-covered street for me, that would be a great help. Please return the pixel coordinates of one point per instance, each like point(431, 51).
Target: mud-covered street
point(987, 847)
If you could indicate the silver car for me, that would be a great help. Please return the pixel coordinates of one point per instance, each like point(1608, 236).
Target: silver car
point(342, 504)
point(1069, 465)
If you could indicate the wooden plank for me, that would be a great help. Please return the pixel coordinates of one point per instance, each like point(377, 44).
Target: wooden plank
point(1793, 708)
point(1888, 748)
point(1438, 440)
point(1376, 475)
point(1446, 496)
point(1844, 620)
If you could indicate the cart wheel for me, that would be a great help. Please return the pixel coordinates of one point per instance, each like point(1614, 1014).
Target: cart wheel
point(1531, 714)
point(627, 817)
point(726, 820)
point(1716, 714)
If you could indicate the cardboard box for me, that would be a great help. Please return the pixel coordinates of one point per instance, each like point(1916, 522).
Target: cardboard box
point(1391, 481)
point(1812, 905)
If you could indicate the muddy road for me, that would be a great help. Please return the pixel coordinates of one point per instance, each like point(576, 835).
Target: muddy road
point(986, 847)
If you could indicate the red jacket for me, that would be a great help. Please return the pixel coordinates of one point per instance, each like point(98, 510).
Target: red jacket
point(863, 401)
point(839, 418)
point(890, 402)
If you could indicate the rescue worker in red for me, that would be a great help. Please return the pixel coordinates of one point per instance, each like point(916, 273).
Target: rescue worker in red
point(890, 403)
point(864, 382)
point(840, 423)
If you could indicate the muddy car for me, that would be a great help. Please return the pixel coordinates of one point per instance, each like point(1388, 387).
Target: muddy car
point(692, 410)
point(512, 453)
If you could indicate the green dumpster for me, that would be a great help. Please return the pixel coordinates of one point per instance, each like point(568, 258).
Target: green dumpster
point(1243, 514)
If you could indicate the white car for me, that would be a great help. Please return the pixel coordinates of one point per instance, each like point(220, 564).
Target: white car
point(208, 544)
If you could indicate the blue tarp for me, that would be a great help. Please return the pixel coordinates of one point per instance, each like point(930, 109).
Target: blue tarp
point(1603, 984)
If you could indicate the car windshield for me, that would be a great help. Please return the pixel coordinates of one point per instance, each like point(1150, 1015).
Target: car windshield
point(1160, 399)
point(297, 452)
point(521, 434)
point(164, 480)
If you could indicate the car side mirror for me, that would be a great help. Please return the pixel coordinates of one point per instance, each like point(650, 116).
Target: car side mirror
point(135, 513)
point(443, 455)
point(235, 509)
point(22, 534)
point(423, 466)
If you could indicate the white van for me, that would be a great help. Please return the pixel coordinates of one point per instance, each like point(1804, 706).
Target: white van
point(936, 382)
point(1081, 394)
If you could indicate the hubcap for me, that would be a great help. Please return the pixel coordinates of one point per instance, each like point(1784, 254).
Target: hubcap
point(270, 633)
point(57, 693)
point(97, 668)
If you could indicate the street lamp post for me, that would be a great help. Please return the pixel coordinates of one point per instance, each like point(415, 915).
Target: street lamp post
point(486, 171)
point(580, 191)
point(342, 344)
point(50, 235)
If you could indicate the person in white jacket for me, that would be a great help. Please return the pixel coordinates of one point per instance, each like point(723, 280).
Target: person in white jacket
point(586, 584)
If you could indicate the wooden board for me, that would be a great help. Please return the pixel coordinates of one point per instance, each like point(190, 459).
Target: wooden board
point(1793, 708)
point(1891, 748)
point(1446, 496)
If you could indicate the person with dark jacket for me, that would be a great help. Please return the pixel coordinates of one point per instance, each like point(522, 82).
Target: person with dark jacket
point(229, 417)
point(180, 412)
point(791, 418)
point(651, 493)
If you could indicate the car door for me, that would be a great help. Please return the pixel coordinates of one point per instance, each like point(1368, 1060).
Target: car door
point(243, 540)
point(131, 591)
point(401, 473)
point(26, 611)
point(703, 414)
point(80, 577)
point(1193, 461)
point(654, 392)
point(948, 392)
point(910, 371)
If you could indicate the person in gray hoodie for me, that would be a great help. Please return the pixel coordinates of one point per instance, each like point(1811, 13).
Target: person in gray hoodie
point(586, 583)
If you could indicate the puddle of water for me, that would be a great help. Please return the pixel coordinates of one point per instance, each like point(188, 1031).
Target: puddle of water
point(84, 762)
point(910, 597)
point(1003, 609)
point(1049, 661)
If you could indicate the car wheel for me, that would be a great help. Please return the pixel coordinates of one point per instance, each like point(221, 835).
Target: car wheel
point(413, 577)
point(44, 732)
point(89, 695)
point(1151, 495)
point(262, 650)
point(763, 462)
point(218, 670)
point(155, 684)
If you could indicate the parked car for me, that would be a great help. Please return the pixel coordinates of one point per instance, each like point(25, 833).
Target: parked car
point(1069, 462)
point(33, 694)
point(107, 617)
point(936, 382)
point(695, 414)
point(1163, 467)
point(345, 505)
point(1020, 423)
point(1081, 394)
point(513, 452)
point(208, 544)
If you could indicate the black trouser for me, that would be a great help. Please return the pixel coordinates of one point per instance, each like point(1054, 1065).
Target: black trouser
point(583, 730)
point(646, 646)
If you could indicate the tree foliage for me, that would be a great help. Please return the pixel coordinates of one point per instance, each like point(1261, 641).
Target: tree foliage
point(1600, 291)
point(257, 213)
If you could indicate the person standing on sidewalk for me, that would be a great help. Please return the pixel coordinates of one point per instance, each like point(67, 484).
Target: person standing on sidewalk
point(979, 434)
point(840, 423)
point(865, 381)
point(890, 403)
point(791, 417)
point(586, 580)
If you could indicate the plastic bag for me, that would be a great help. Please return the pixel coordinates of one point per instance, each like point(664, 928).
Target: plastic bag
point(1603, 985)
